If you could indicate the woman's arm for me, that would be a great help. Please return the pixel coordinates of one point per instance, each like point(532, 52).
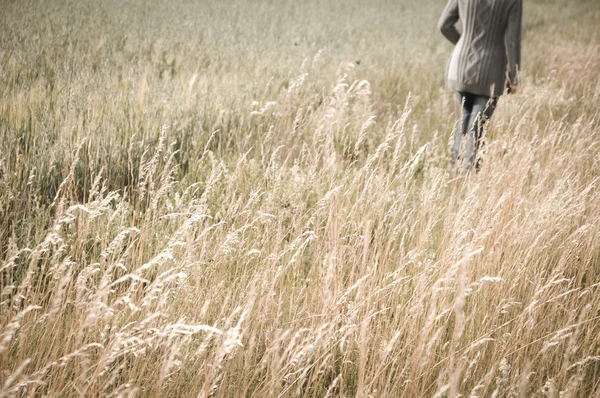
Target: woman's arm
point(447, 21)
point(513, 41)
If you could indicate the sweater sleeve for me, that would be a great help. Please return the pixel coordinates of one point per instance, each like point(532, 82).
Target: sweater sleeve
point(513, 41)
point(448, 21)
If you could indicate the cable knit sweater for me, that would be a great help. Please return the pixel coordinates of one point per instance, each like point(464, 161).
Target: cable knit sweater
point(487, 55)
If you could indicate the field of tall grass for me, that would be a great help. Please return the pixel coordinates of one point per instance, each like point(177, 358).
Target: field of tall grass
point(252, 198)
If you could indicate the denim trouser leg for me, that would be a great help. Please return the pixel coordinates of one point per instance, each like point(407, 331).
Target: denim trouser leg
point(476, 111)
point(463, 124)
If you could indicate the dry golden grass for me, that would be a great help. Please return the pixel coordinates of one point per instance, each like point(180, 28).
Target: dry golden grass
point(252, 199)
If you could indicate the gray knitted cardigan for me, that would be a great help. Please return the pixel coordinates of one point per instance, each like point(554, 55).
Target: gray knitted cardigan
point(487, 55)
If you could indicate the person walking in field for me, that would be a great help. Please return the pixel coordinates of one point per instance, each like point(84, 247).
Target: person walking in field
point(484, 63)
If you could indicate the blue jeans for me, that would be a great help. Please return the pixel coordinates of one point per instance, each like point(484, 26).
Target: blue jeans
point(476, 110)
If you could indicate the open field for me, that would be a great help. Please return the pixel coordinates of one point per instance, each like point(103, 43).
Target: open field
point(252, 198)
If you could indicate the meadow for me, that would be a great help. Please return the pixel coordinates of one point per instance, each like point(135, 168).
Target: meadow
point(253, 198)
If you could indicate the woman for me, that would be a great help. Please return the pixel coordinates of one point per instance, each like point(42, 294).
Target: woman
point(485, 62)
